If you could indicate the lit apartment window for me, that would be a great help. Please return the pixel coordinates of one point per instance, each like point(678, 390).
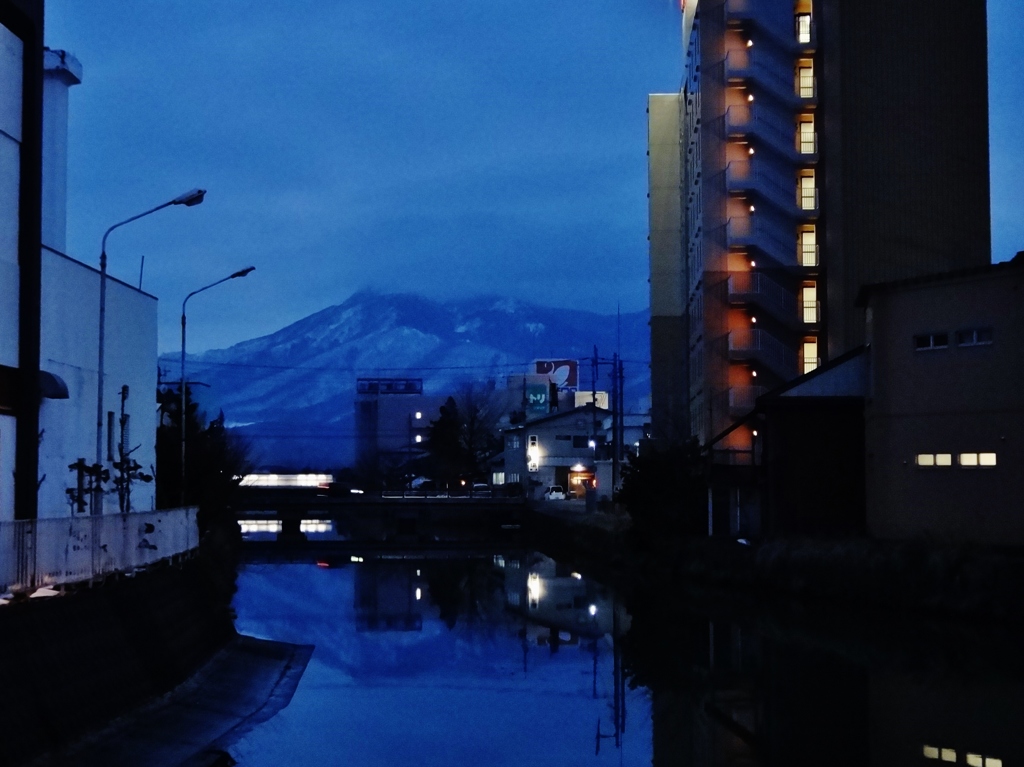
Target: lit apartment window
point(805, 79)
point(809, 302)
point(810, 354)
point(974, 337)
point(934, 459)
point(803, 28)
point(807, 193)
point(973, 460)
point(807, 239)
point(806, 138)
point(498, 478)
point(928, 341)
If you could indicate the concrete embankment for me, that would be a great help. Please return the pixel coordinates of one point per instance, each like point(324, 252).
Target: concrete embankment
point(76, 661)
point(923, 577)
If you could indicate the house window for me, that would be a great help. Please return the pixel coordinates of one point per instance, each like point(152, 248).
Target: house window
point(805, 79)
point(498, 478)
point(927, 341)
point(806, 138)
point(973, 460)
point(933, 459)
point(974, 337)
point(807, 238)
point(580, 441)
point(803, 28)
point(807, 193)
point(512, 477)
point(809, 302)
point(512, 442)
point(810, 355)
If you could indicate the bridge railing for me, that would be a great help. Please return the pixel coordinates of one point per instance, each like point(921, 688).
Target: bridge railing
point(54, 552)
point(439, 494)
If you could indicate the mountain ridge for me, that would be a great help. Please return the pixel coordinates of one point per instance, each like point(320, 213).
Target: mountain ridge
point(291, 392)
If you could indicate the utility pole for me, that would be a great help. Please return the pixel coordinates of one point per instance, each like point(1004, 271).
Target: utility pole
point(616, 434)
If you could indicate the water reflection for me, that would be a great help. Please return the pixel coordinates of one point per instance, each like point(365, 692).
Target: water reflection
point(481, 658)
point(742, 684)
point(437, 655)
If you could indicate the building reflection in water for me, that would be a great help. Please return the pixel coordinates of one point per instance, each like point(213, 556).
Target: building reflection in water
point(744, 692)
point(388, 596)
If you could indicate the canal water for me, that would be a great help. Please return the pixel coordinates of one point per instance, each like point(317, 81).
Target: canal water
point(514, 659)
point(484, 659)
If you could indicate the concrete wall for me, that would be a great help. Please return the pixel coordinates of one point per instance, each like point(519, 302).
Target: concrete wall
point(669, 353)
point(70, 332)
point(88, 657)
point(10, 170)
point(951, 400)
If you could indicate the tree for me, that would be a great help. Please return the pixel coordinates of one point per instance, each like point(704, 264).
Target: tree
point(666, 493)
point(465, 435)
point(215, 460)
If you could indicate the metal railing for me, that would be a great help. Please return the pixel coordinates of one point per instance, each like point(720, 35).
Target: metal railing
point(747, 231)
point(762, 345)
point(807, 253)
point(811, 311)
point(743, 398)
point(806, 84)
point(806, 198)
point(765, 291)
point(55, 552)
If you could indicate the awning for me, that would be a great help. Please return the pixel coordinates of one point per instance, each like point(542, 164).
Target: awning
point(52, 386)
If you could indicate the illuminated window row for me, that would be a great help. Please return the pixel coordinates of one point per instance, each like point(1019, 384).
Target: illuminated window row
point(315, 526)
point(964, 460)
point(971, 760)
point(260, 526)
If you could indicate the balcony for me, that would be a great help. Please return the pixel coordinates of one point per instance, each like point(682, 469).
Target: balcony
point(745, 121)
point(806, 143)
point(749, 232)
point(743, 176)
point(747, 65)
point(761, 290)
point(806, 85)
point(807, 254)
point(750, 344)
point(807, 199)
point(805, 31)
point(739, 10)
point(809, 364)
point(743, 398)
point(811, 311)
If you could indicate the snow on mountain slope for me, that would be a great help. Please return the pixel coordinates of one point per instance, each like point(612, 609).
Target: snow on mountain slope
point(292, 392)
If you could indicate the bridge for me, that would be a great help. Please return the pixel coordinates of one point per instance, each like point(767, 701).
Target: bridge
point(292, 512)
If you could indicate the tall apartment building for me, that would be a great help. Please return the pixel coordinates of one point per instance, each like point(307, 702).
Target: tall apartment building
point(815, 146)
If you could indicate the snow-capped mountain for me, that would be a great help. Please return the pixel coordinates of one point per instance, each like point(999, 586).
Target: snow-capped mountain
point(292, 392)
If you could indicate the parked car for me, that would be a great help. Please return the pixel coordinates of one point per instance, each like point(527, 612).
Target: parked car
point(555, 493)
point(339, 490)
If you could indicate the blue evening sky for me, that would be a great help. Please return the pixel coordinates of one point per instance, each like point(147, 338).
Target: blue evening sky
point(449, 149)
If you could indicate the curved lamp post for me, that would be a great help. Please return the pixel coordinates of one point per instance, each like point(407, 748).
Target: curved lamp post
point(188, 199)
point(239, 273)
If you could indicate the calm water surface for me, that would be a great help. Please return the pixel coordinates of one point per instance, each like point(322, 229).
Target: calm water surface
point(513, 659)
point(488, 660)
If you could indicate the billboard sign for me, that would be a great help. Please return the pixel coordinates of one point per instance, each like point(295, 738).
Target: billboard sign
point(564, 374)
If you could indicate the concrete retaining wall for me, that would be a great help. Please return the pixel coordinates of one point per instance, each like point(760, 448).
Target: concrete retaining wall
point(74, 662)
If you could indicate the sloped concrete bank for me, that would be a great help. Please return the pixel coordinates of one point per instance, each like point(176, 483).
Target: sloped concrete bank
point(74, 662)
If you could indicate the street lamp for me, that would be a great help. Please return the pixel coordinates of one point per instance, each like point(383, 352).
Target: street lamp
point(188, 199)
point(239, 273)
